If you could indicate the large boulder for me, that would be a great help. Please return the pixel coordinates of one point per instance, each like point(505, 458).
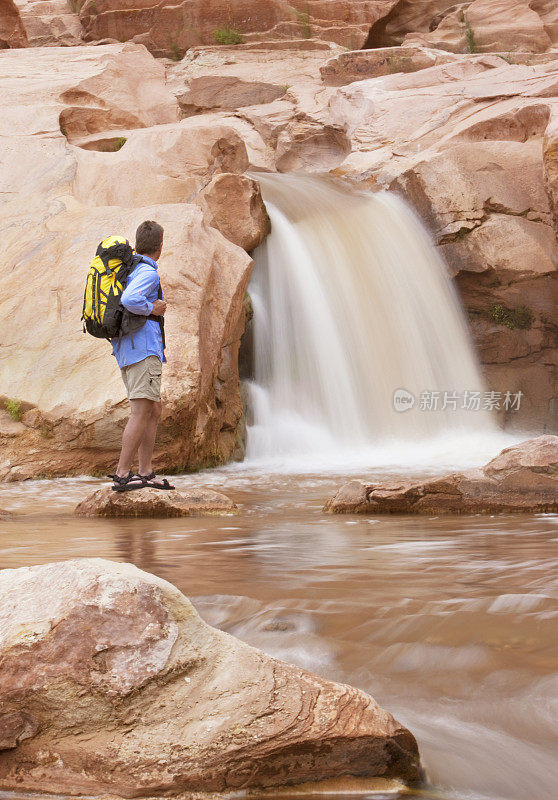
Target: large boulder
point(170, 28)
point(226, 93)
point(110, 683)
point(233, 204)
point(522, 478)
point(12, 32)
point(50, 22)
point(59, 200)
point(151, 502)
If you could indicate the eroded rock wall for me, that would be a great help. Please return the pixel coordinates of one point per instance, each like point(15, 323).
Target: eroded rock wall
point(169, 28)
point(473, 26)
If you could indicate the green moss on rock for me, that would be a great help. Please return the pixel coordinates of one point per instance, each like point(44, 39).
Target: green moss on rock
point(519, 317)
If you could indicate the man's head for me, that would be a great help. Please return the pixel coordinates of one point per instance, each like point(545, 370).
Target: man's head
point(149, 239)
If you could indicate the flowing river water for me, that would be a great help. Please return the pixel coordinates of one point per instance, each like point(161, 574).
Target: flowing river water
point(451, 623)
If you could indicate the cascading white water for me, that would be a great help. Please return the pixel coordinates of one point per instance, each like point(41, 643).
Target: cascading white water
point(352, 302)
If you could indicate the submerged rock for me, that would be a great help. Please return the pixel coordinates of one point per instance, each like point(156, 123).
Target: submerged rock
point(151, 502)
point(522, 478)
point(110, 683)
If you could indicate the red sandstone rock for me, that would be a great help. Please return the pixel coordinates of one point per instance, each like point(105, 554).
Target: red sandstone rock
point(50, 23)
point(478, 26)
point(223, 93)
point(359, 65)
point(148, 502)
point(12, 32)
point(489, 26)
point(550, 156)
point(111, 684)
point(522, 478)
point(233, 204)
point(305, 145)
point(169, 28)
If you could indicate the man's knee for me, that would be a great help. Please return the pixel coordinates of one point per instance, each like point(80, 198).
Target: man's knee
point(156, 409)
point(141, 409)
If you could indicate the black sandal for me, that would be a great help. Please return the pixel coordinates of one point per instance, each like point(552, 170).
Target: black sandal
point(147, 480)
point(126, 484)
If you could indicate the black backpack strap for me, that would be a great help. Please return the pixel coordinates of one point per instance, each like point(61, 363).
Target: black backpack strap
point(161, 319)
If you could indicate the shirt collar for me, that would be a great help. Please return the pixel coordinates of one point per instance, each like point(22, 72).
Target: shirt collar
point(147, 260)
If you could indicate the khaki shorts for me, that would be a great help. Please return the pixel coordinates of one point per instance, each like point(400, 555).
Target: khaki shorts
point(143, 379)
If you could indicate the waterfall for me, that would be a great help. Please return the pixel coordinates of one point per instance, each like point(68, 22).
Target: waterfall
point(352, 302)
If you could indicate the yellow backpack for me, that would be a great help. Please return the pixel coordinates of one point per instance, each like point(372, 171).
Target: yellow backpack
point(106, 280)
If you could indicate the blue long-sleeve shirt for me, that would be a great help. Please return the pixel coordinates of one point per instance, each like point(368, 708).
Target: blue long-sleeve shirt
point(141, 291)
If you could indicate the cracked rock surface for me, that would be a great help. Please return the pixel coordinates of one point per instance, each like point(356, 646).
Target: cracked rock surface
point(522, 478)
point(110, 683)
point(150, 502)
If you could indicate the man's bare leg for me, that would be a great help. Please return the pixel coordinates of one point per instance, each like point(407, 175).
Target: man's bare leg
point(134, 432)
point(147, 443)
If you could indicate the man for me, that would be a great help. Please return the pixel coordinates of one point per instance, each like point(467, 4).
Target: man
point(140, 357)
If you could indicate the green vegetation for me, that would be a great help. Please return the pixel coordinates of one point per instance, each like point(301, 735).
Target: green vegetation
point(469, 34)
point(176, 55)
point(63, 131)
point(519, 317)
point(13, 407)
point(507, 57)
point(304, 22)
point(93, 8)
point(248, 307)
point(227, 35)
point(113, 146)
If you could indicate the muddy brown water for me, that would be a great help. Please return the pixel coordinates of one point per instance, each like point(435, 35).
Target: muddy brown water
point(451, 623)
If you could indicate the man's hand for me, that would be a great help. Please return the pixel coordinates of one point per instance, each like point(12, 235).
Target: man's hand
point(159, 308)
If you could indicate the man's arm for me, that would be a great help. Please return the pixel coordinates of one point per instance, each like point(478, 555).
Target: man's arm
point(134, 296)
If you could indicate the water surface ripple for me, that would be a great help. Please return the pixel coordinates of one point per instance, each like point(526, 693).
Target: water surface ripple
point(451, 623)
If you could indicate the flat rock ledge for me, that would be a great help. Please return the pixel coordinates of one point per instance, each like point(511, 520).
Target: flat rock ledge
point(148, 502)
point(111, 684)
point(522, 478)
